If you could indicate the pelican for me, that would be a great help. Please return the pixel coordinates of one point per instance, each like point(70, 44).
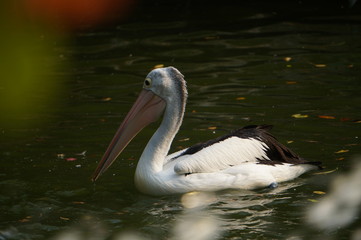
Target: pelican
point(247, 158)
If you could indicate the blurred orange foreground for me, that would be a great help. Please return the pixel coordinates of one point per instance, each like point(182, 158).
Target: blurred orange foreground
point(75, 14)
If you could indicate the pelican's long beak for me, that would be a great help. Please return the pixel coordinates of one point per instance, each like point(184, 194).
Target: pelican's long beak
point(146, 109)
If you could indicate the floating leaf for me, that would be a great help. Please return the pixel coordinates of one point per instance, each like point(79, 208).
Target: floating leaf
point(298, 115)
point(326, 172)
point(291, 82)
point(26, 219)
point(158, 66)
point(64, 218)
point(313, 200)
point(340, 159)
point(240, 98)
point(78, 202)
point(342, 151)
point(70, 159)
point(194, 111)
point(344, 119)
point(212, 128)
point(288, 142)
point(320, 65)
point(106, 99)
point(184, 140)
point(326, 117)
point(352, 144)
point(83, 153)
point(319, 192)
point(287, 59)
point(289, 65)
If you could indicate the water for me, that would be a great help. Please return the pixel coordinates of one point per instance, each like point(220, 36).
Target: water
point(250, 68)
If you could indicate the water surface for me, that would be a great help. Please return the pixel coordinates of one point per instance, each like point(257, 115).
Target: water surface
point(240, 70)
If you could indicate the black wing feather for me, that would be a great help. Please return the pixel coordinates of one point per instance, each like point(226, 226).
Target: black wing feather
point(277, 153)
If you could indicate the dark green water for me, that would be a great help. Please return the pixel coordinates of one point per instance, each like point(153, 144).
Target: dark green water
point(237, 74)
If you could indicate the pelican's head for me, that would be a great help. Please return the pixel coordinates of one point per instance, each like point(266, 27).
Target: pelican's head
point(167, 83)
point(162, 87)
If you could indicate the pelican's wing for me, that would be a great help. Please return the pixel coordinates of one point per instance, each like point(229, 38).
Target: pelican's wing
point(174, 155)
point(248, 144)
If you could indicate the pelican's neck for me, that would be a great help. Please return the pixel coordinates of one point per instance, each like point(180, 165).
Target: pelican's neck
point(154, 154)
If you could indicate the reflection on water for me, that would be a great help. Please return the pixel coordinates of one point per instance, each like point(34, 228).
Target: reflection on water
point(251, 70)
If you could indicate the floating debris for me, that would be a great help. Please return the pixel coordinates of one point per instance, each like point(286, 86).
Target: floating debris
point(326, 172)
point(240, 98)
point(106, 99)
point(81, 154)
point(183, 139)
point(287, 59)
point(326, 117)
point(158, 66)
point(26, 219)
point(298, 115)
point(319, 192)
point(342, 151)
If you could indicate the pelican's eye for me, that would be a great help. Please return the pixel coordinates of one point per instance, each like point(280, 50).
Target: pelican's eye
point(147, 83)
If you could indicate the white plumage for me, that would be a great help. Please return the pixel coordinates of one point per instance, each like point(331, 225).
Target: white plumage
point(234, 151)
point(247, 158)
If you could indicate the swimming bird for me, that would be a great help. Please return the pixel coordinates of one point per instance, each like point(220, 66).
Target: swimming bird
point(247, 158)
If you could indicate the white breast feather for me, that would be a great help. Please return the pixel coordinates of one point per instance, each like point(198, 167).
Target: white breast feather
point(230, 152)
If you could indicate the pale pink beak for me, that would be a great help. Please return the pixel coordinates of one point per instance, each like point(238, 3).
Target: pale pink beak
point(146, 109)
